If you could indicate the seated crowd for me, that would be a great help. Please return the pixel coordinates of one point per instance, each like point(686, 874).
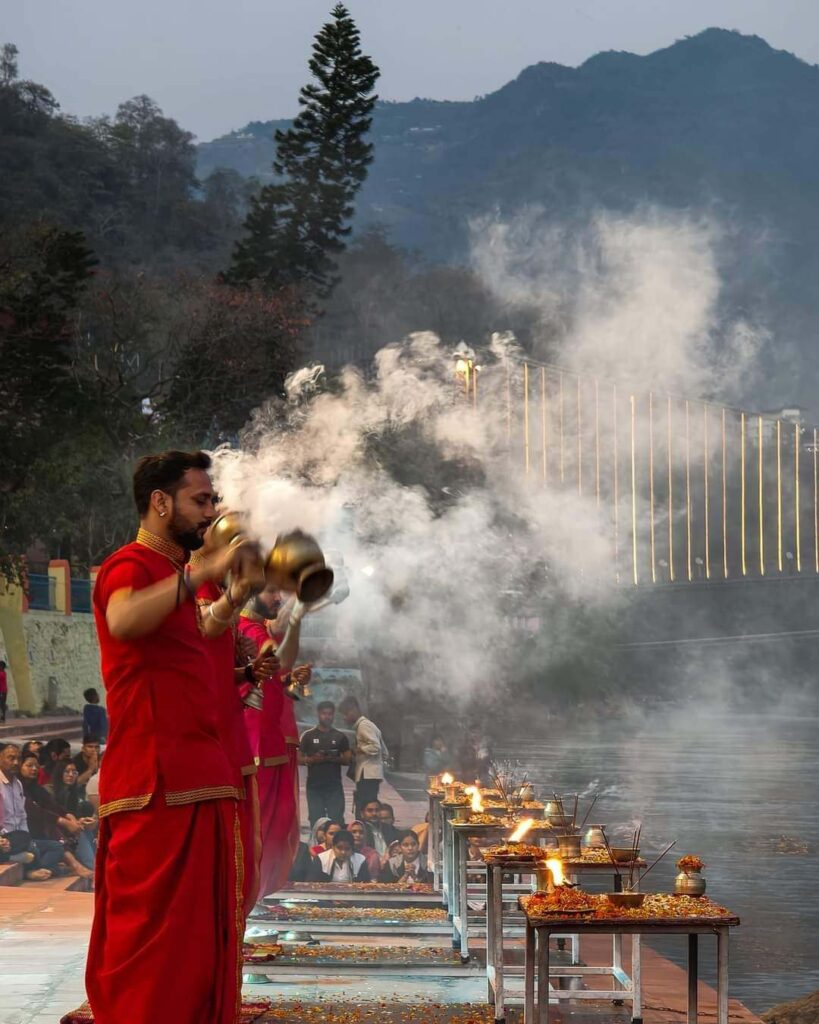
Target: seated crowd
point(48, 807)
point(371, 849)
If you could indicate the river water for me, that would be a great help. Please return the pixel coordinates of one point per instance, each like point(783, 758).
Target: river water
point(727, 786)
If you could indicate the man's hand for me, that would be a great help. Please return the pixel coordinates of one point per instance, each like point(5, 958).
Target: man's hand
point(71, 825)
point(218, 565)
point(88, 822)
point(265, 664)
point(302, 674)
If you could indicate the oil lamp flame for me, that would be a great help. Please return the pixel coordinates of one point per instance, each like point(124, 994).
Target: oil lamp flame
point(447, 779)
point(475, 793)
point(521, 830)
point(555, 866)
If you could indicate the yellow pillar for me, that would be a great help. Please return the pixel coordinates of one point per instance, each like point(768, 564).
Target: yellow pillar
point(59, 570)
point(14, 639)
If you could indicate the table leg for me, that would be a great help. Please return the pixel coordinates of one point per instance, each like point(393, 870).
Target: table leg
point(542, 976)
point(617, 957)
point(722, 976)
point(529, 977)
point(693, 970)
point(636, 980)
point(496, 874)
point(462, 853)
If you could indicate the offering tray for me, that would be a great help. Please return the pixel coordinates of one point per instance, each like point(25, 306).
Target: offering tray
point(330, 961)
point(662, 910)
point(510, 853)
point(361, 894)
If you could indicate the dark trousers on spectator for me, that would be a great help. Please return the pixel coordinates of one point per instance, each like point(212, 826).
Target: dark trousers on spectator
point(3, 699)
point(325, 802)
point(49, 853)
point(366, 790)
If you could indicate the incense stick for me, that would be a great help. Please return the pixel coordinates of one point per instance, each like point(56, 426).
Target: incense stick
point(611, 856)
point(634, 851)
point(658, 859)
point(588, 812)
point(574, 812)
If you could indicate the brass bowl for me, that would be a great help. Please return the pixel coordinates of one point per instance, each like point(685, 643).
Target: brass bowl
point(624, 854)
point(626, 899)
point(296, 565)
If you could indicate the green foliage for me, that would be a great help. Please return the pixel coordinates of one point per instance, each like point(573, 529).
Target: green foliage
point(298, 223)
point(43, 273)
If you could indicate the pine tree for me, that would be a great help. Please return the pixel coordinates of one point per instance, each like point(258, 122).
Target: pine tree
point(297, 224)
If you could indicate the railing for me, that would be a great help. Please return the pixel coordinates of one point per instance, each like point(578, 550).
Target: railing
point(41, 592)
point(80, 595)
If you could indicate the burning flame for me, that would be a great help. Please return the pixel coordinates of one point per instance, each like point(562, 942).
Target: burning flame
point(556, 868)
point(521, 830)
point(447, 779)
point(477, 803)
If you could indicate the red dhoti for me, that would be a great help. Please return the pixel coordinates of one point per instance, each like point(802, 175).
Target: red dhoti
point(279, 825)
point(249, 821)
point(168, 925)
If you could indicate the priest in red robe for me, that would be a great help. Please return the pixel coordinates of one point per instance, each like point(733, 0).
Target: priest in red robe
point(168, 924)
point(269, 732)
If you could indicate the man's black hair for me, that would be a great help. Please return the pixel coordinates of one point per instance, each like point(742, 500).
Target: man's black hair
point(90, 738)
point(387, 807)
point(343, 835)
point(325, 704)
point(164, 472)
point(349, 702)
point(89, 693)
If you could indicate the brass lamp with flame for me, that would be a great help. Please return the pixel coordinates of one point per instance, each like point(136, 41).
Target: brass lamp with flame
point(296, 564)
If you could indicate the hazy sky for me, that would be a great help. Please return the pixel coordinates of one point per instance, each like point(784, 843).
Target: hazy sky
point(214, 65)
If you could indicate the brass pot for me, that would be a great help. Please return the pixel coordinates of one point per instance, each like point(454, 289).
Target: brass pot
point(689, 883)
point(594, 838)
point(296, 565)
point(569, 846)
point(231, 528)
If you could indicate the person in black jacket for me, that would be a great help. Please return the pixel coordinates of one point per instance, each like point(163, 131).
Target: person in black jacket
point(407, 866)
point(340, 863)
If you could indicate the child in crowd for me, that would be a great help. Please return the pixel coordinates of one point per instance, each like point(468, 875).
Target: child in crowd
point(94, 716)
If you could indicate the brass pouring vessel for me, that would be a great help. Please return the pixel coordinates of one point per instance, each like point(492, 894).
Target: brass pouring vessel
point(231, 528)
point(296, 565)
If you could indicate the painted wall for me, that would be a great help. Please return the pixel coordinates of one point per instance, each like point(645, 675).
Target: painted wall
point(63, 659)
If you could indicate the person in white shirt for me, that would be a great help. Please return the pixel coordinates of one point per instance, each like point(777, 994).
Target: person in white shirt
point(340, 863)
point(369, 754)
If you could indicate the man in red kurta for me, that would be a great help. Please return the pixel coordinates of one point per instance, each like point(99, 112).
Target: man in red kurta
point(271, 731)
point(169, 861)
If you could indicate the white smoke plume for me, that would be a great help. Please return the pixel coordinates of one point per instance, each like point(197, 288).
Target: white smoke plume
point(444, 538)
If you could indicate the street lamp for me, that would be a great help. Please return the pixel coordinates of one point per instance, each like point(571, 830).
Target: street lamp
point(466, 369)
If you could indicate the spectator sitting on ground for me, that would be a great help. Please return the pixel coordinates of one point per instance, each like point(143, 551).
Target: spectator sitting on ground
point(31, 747)
point(94, 716)
point(317, 836)
point(40, 858)
point(87, 762)
point(358, 831)
point(340, 863)
point(52, 753)
point(407, 866)
point(301, 864)
point(422, 831)
point(331, 828)
point(67, 796)
point(379, 836)
point(47, 821)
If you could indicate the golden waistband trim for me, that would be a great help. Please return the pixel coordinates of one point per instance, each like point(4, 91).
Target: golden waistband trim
point(292, 740)
point(127, 803)
point(192, 796)
point(249, 769)
point(271, 762)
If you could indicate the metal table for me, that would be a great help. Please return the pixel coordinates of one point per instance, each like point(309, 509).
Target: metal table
point(537, 973)
point(498, 972)
point(456, 846)
point(434, 839)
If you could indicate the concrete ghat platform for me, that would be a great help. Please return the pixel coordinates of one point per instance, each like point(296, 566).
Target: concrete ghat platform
point(44, 933)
